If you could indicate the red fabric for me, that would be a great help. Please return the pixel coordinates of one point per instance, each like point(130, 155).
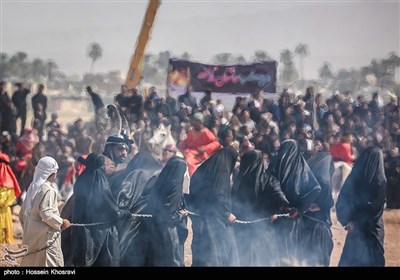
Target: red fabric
point(70, 175)
point(196, 139)
point(7, 177)
point(22, 148)
point(72, 171)
point(26, 143)
point(342, 152)
point(81, 166)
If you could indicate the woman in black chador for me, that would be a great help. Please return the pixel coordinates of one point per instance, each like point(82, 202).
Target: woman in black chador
point(166, 205)
point(210, 196)
point(299, 189)
point(256, 242)
point(318, 242)
point(132, 190)
point(96, 245)
point(360, 208)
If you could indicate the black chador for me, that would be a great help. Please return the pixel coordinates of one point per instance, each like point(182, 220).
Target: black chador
point(210, 196)
point(318, 242)
point(96, 245)
point(165, 203)
point(256, 242)
point(360, 207)
point(299, 189)
point(132, 189)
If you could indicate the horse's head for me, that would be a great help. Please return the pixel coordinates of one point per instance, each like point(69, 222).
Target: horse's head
point(162, 136)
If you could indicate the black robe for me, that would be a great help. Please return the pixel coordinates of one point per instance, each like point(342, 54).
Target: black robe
point(166, 199)
point(361, 201)
point(93, 203)
point(210, 196)
point(299, 189)
point(256, 243)
point(393, 183)
point(318, 242)
point(66, 238)
point(132, 189)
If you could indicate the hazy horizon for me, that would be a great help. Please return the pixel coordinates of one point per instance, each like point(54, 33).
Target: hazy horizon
point(345, 33)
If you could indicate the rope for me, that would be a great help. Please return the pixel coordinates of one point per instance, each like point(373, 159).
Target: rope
point(251, 222)
point(10, 258)
point(88, 225)
point(246, 222)
point(193, 214)
point(142, 215)
point(260, 220)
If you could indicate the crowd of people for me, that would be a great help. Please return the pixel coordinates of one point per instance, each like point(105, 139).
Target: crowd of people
point(280, 163)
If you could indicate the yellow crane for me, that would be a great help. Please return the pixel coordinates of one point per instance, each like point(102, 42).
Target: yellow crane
point(136, 64)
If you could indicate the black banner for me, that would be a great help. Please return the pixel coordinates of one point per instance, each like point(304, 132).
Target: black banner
point(239, 78)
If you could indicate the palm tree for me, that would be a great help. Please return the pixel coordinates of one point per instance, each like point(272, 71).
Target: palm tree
point(223, 58)
point(302, 51)
point(390, 64)
point(51, 67)
point(18, 65)
point(186, 56)
point(4, 66)
point(288, 73)
point(38, 69)
point(260, 55)
point(326, 72)
point(239, 59)
point(163, 60)
point(95, 52)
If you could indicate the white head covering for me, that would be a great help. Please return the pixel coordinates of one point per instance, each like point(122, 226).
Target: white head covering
point(45, 167)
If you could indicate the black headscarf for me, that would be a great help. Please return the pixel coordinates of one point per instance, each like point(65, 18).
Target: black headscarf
point(247, 185)
point(297, 180)
point(166, 248)
point(210, 196)
point(361, 201)
point(321, 165)
point(364, 190)
point(317, 241)
point(94, 203)
point(209, 185)
point(166, 195)
point(256, 242)
point(135, 185)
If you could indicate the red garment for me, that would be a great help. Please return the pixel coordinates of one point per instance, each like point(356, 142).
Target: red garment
point(26, 143)
point(72, 171)
point(342, 152)
point(196, 139)
point(7, 177)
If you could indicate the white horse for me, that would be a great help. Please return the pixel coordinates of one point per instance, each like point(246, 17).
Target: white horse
point(162, 136)
point(342, 171)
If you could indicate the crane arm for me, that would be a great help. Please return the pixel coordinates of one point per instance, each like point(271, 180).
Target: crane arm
point(136, 64)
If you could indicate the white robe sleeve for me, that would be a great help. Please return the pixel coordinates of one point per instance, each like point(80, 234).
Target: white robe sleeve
point(48, 209)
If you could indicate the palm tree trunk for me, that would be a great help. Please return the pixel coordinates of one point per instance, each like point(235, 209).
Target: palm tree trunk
point(301, 68)
point(91, 68)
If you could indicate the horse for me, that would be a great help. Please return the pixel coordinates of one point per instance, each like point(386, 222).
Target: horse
point(342, 171)
point(162, 136)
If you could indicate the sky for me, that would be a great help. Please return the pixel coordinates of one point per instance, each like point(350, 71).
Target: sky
point(344, 33)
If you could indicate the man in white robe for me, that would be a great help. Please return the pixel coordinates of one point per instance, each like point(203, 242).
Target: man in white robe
point(41, 219)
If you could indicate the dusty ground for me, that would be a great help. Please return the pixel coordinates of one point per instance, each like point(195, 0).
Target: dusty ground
point(392, 240)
